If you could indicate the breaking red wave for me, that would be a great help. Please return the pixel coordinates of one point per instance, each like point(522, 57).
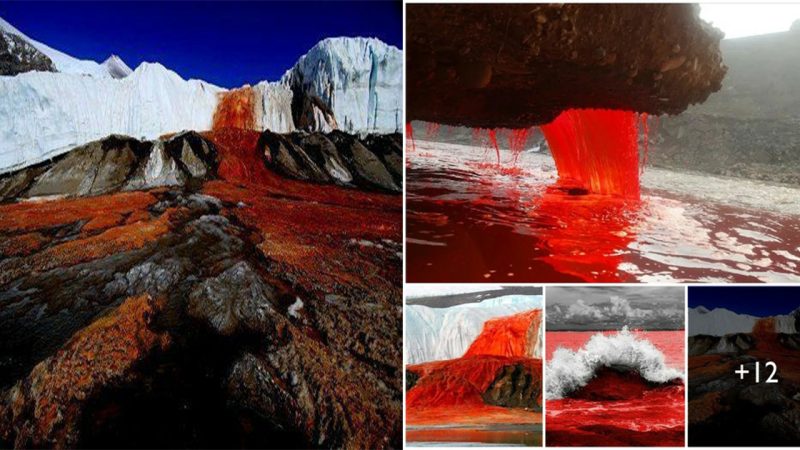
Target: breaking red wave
point(596, 150)
point(236, 109)
point(618, 407)
point(514, 336)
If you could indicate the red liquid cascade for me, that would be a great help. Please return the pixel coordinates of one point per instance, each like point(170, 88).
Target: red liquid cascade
point(517, 140)
point(596, 150)
point(410, 135)
point(493, 139)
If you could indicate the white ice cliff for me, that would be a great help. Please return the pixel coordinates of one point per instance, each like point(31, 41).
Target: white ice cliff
point(721, 322)
point(360, 79)
point(434, 334)
point(44, 114)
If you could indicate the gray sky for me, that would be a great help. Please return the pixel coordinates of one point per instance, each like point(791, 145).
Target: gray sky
point(612, 307)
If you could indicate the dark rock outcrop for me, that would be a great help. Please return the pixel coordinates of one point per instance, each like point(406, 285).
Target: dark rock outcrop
point(518, 65)
point(411, 379)
point(515, 387)
point(366, 167)
point(18, 56)
point(337, 157)
point(732, 343)
point(114, 164)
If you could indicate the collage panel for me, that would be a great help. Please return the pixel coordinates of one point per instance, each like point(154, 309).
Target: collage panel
point(473, 365)
point(614, 373)
point(201, 224)
point(744, 366)
point(602, 143)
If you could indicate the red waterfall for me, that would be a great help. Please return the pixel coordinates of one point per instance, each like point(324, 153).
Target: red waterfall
point(410, 136)
point(596, 150)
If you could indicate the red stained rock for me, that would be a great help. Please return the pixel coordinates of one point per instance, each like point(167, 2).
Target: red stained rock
point(44, 409)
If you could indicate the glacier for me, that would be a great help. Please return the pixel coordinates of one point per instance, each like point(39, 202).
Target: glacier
point(44, 114)
point(435, 334)
point(722, 322)
point(358, 78)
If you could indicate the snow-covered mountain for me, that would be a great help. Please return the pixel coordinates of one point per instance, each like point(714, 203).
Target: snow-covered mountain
point(63, 63)
point(721, 322)
point(434, 334)
point(354, 84)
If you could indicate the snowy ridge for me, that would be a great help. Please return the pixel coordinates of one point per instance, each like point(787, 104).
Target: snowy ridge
point(116, 67)
point(360, 79)
point(435, 334)
point(63, 62)
point(570, 370)
point(721, 322)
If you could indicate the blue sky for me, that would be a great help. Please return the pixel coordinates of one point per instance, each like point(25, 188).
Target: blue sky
point(758, 301)
point(225, 43)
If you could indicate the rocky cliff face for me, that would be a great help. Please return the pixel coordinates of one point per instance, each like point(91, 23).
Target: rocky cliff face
point(18, 56)
point(516, 66)
point(747, 129)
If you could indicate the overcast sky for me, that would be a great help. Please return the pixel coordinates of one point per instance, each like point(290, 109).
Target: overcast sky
point(612, 307)
point(748, 19)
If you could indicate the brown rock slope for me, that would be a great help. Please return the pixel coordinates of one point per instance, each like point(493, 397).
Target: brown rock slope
point(229, 306)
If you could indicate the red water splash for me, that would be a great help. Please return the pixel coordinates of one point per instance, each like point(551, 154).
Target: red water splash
point(236, 109)
point(517, 140)
point(596, 150)
point(410, 135)
point(493, 141)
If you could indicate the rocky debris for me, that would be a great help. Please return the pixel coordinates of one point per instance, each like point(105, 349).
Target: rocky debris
point(743, 147)
point(747, 129)
point(226, 266)
point(18, 56)
point(237, 300)
point(518, 65)
point(45, 409)
point(515, 387)
point(336, 157)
